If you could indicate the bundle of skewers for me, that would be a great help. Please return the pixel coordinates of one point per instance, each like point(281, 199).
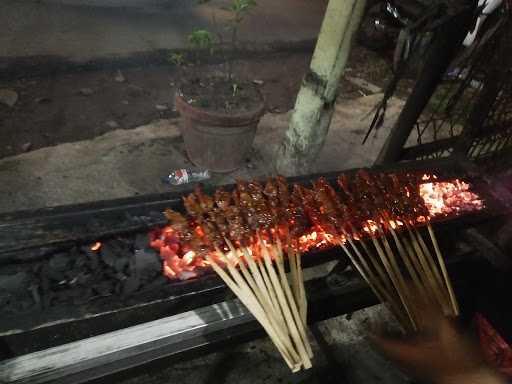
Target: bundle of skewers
point(251, 234)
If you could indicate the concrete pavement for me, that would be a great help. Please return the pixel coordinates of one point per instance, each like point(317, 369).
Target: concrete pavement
point(86, 30)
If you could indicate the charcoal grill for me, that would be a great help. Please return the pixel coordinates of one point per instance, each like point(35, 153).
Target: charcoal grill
point(174, 318)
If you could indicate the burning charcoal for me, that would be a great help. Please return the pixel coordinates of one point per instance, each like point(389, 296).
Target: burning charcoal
point(147, 263)
point(131, 285)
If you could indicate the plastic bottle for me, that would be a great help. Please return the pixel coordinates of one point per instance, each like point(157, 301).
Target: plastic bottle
point(185, 176)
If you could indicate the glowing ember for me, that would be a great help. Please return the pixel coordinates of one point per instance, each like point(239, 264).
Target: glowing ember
point(442, 199)
point(96, 246)
point(449, 198)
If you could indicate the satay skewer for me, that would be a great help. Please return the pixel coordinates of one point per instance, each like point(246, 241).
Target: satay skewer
point(292, 262)
point(385, 296)
point(453, 299)
point(417, 265)
point(302, 290)
point(261, 293)
point(408, 264)
point(383, 276)
point(422, 258)
point(398, 286)
point(250, 302)
point(284, 306)
point(280, 332)
point(256, 272)
point(433, 265)
point(291, 300)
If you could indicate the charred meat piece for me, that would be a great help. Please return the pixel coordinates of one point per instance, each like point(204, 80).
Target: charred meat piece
point(205, 201)
point(177, 221)
point(255, 189)
point(344, 183)
point(238, 230)
point(325, 197)
point(311, 207)
point(222, 199)
point(283, 191)
point(271, 192)
point(180, 224)
point(211, 233)
point(192, 206)
point(216, 217)
point(363, 197)
point(260, 208)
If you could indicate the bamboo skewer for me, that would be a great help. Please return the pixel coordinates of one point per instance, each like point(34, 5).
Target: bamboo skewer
point(417, 265)
point(430, 260)
point(258, 313)
point(440, 259)
point(260, 292)
point(385, 296)
point(280, 332)
point(388, 284)
point(393, 261)
point(303, 300)
point(435, 288)
point(284, 306)
point(292, 261)
point(394, 279)
point(261, 285)
point(289, 295)
point(408, 264)
point(271, 292)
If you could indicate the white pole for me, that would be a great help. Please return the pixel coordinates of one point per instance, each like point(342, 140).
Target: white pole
point(315, 102)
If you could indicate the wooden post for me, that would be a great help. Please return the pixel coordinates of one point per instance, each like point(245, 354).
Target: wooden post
point(315, 102)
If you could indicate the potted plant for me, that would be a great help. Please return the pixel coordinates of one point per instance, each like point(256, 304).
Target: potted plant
point(220, 114)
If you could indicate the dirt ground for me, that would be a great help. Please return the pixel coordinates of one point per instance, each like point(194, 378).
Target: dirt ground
point(71, 106)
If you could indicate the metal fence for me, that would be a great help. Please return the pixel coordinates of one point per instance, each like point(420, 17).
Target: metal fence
point(469, 112)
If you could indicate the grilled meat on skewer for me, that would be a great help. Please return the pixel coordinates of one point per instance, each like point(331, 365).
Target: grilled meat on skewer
point(205, 201)
point(193, 207)
point(222, 199)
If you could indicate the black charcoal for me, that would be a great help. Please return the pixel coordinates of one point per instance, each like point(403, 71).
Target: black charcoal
point(131, 285)
point(148, 263)
point(14, 283)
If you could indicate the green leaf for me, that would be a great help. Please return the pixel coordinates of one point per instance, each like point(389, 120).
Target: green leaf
point(201, 39)
point(177, 59)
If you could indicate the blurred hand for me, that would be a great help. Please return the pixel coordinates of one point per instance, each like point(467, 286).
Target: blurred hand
point(439, 352)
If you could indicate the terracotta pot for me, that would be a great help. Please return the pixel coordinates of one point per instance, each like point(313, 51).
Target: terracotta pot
point(217, 141)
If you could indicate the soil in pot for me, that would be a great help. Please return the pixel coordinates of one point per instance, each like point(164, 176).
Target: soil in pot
point(220, 118)
point(220, 95)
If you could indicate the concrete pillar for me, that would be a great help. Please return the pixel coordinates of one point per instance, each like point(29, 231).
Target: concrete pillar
point(315, 102)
